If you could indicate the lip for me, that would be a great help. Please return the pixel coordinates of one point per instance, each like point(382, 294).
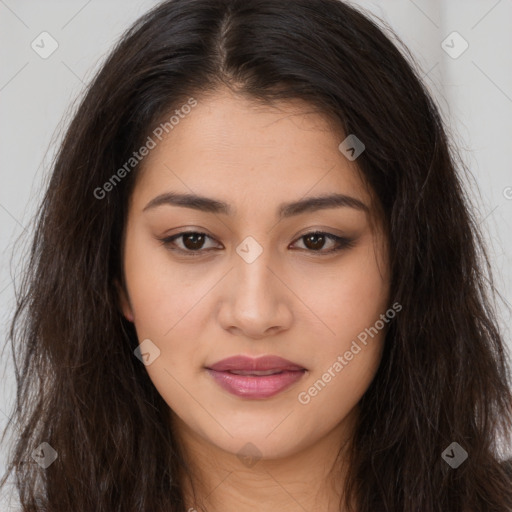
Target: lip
point(244, 363)
point(251, 385)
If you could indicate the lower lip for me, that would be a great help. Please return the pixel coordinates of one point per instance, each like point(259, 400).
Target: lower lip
point(254, 386)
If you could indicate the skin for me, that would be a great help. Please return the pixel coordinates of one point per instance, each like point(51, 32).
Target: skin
point(292, 301)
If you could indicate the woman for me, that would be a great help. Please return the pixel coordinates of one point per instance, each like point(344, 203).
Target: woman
point(256, 282)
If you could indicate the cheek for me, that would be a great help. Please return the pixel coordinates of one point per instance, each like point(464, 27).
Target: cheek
point(351, 298)
point(164, 300)
point(351, 304)
point(337, 387)
point(161, 294)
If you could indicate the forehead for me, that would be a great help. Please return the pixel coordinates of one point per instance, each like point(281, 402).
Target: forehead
point(234, 149)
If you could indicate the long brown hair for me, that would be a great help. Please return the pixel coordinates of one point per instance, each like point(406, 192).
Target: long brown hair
point(444, 375)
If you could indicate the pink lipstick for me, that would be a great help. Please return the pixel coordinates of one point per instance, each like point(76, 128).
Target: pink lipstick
point(255, 378)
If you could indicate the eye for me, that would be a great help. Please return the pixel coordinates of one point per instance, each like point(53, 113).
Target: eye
point(315, 240)
point(192, 242)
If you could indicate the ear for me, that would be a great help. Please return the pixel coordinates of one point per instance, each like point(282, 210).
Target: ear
point(124, 302)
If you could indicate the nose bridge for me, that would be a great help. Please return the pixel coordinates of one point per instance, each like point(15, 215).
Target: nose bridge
point(255, 304)
point(254, 278)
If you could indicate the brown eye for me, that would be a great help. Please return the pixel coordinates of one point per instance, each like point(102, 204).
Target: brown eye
point(192, 242)
point(316, 241)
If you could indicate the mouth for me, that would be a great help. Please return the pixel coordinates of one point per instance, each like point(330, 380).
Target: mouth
point(253, 365)
point(256, 373)
point(255, 378)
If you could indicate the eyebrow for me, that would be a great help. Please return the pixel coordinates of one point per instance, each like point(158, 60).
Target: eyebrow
point(209, 205)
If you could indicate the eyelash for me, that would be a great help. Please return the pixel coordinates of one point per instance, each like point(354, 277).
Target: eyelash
point(343, 243)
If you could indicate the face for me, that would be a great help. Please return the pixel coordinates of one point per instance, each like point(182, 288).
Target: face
point(242, 273)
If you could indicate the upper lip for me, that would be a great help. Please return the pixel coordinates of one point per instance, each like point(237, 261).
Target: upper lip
point(245, 363)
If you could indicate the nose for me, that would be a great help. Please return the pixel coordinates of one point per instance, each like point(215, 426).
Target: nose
point(255, 302)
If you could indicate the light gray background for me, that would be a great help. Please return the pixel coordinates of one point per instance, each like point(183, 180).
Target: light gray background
point(474, 92)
